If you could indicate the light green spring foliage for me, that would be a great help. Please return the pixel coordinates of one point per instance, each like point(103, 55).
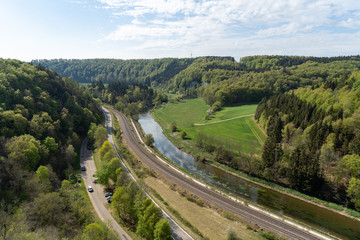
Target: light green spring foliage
point(43, 174)
point(24, 149)
point(93, 231)
point(162, 230)
point(106, 152)
point(148, 215)
point(353, 192)
point(352, 164)
point(51, 144)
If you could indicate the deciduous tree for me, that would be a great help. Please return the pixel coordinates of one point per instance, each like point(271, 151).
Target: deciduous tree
point(162, 230)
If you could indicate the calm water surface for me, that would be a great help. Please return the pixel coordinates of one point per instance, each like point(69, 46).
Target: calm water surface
point(338, 225)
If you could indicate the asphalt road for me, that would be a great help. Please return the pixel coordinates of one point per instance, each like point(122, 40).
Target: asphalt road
point(178, 233)
point(97, 197)
point(219, 200)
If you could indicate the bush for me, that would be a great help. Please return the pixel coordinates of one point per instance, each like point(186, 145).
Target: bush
point(268, 236)
point(216, 106)
point(183, 135)
point(231, 235)
point(149, 140)
point(173, 127)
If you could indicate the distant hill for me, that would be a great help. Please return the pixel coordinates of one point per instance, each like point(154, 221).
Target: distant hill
point(215, 79)
point(108, 70)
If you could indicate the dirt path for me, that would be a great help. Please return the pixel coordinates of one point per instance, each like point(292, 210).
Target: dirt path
point(202, 124)
point(255, 133)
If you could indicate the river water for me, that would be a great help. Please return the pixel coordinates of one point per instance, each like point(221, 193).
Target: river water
point(326, 220)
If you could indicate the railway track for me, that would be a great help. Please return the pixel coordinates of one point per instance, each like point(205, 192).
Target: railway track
point(259, 218)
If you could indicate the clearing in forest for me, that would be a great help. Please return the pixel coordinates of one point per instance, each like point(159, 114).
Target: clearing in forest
point(233, 126)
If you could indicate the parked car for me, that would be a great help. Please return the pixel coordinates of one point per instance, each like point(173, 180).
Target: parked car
point(95, 180)
point(82, 167)
point(107, 194)
point(90, 189)
point(108, 199)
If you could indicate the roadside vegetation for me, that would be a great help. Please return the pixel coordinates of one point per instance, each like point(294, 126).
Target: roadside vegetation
point(308, 107)
point(43, 118)
point(129, 203)
point(180, 205)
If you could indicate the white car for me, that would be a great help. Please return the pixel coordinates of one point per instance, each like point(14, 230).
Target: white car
point(90, 189)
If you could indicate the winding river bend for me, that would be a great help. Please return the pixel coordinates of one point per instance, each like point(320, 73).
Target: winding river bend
point(326, 220)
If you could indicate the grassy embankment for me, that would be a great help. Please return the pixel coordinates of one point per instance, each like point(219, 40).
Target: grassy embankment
point(237, 133)
point(242, 131)
point(200, 221)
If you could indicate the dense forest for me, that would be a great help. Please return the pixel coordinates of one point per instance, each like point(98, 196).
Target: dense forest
point(43, 119)
point(215, 79)
point(314, 138)
point(149, 72)
point(130, 99)
point(308, 107)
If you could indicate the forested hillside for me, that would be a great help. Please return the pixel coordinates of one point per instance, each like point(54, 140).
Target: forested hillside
point(310, 112)
point(143, 71)
point(130, 99)
point(215, 79)
point(43, 119)
point(314, 138)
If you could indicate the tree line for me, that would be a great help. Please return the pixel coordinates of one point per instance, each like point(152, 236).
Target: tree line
point(313, 139)
point(214, 79)
point(43, 118)
point(129, 202)
point(130, 99)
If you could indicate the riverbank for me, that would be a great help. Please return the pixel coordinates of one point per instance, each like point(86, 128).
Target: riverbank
point(180, 206)
point(189, 147)
point(319, 213)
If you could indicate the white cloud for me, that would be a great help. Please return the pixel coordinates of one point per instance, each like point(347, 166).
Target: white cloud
point(229, 25)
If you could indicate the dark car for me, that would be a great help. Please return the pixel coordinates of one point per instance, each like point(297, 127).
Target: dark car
point(82, 167)
point(107, 194)
point(108, 199)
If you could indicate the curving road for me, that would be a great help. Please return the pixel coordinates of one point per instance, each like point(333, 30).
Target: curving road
point(248, 213)
point(97, 197)
point(178, 233)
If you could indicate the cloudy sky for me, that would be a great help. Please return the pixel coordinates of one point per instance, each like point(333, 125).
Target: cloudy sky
point(33, 29)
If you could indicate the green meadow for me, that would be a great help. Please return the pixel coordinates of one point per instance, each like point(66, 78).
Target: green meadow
point(240, 133)
point(231, 112)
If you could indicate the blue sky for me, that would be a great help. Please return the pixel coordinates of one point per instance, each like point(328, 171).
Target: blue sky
point(126, 29)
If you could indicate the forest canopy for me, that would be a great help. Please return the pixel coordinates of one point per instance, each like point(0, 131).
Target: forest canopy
point(43, 119)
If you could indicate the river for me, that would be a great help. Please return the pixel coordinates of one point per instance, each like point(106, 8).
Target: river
point(320, 218)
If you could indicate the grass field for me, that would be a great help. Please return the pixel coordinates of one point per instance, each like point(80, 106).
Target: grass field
point(208, 221)
point(231, 112)
point(238, 133)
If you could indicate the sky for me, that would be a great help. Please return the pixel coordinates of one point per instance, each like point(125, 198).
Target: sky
point(132, 29)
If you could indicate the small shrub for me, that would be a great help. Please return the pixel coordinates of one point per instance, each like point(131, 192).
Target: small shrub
point(149, 140)
point(268, 236)
point(173, 127)
point(231, 235)
point(183, 135)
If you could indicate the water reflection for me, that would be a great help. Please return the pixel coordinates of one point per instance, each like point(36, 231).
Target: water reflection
point(324, 219)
